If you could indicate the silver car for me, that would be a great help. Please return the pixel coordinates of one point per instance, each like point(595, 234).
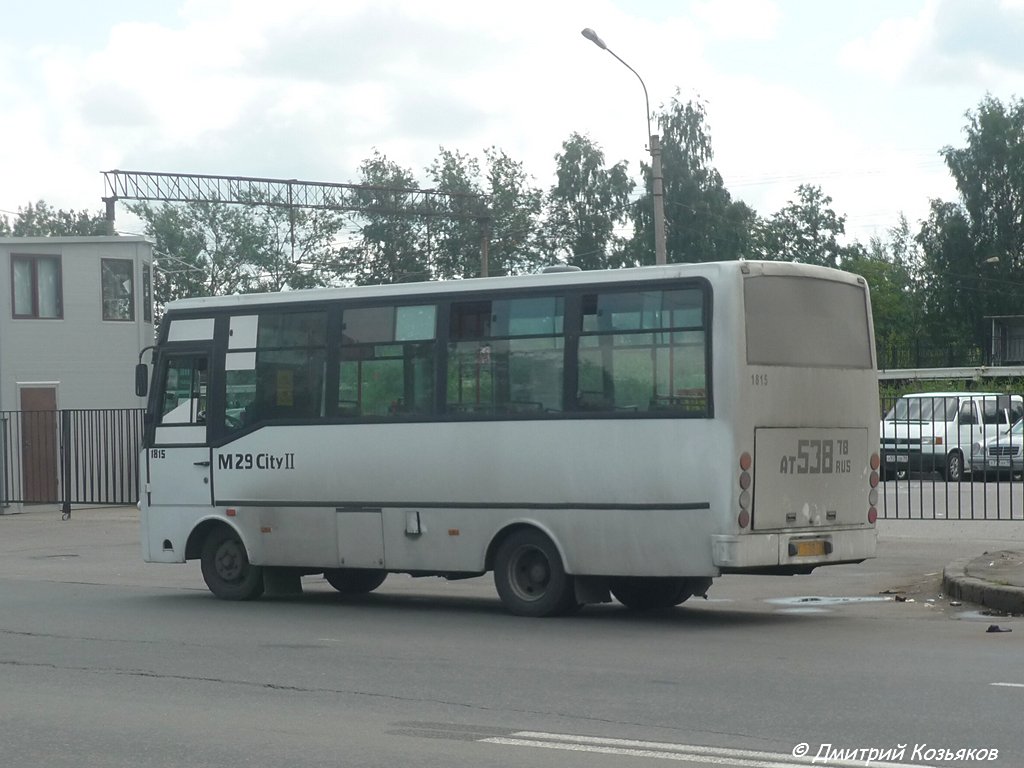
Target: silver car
point(1002, 453)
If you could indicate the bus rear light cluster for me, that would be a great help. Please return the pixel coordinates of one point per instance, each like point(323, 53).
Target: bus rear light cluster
point(875, 462)
point(746, 462)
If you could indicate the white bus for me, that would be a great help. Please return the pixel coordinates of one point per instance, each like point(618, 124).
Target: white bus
point(631, 433)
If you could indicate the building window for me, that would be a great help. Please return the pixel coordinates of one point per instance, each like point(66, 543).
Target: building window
point(147, 294)
point(118, 289)
point(36, 286)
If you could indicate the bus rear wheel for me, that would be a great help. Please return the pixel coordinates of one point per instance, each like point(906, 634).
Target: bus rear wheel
point(530, 577)
point(642, 593)
point(355, 581)
point(226, 567)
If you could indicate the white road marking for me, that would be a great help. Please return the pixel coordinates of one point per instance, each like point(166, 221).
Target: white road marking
point(1008, 685)
point(741, 758)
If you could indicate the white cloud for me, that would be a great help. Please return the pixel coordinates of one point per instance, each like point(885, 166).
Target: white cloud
point(738, 19)
point(308, 89)
point(892, 49)
point(946, 42)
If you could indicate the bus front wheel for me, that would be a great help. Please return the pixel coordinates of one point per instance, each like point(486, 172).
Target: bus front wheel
point(355, 581)
point(530, 577)
point(226, 567)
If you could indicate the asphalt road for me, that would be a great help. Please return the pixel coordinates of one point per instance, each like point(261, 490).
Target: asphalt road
point(107, 661)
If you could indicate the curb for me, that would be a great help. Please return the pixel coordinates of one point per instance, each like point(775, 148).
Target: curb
point(999, 597)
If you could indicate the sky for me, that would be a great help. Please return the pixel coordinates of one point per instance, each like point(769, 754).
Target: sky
point(855, 96)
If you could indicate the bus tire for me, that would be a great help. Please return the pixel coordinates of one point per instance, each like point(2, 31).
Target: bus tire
point(355, 581)
point(226, 567)
point(954, 469)
point(641, 593)
point(530, 577)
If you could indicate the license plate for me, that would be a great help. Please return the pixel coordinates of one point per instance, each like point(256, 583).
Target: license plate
point(999, 463)
point(896, 459)
point(809, 548)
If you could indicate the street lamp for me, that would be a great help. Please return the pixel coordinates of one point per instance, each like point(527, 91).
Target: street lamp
point(657, 181)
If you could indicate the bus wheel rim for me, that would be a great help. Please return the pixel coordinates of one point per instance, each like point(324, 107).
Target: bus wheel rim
point(229, 561)
point(529, 573)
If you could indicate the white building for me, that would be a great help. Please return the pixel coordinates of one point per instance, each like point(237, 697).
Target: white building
point(74, 314)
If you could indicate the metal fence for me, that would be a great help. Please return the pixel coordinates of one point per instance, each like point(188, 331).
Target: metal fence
point(70, 456)
point(925, 354)
point(918, 354)
point(90, 457)
point(952, 457)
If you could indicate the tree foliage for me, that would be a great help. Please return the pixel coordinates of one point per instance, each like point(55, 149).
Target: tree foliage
point(588, 202)
point(974, 248)
point(391, 244)
point(212, 248)
point(702, 222)
point(806, 230)
point(935, 285)
point(40, 220)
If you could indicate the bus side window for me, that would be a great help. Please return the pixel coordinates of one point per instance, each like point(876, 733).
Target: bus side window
point(643, 351)
point(387, 361)
point(506, 357)
point(282, 378)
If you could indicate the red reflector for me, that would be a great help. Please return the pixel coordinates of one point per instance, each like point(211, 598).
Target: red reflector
point(872, 515)
point(453, 531)
point(743, 518)
point(744, 480)
point(230, 513)
point(875, 461)
point(874, 478)
point(745, 461)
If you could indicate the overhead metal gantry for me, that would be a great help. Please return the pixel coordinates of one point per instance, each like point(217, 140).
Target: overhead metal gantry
point(295, 194)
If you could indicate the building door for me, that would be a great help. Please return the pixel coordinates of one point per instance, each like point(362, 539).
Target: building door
point(39, 460)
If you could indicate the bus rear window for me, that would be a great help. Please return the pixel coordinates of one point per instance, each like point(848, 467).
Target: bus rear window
point(806, 322)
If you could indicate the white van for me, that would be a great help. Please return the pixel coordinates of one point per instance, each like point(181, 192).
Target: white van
point(934, 431)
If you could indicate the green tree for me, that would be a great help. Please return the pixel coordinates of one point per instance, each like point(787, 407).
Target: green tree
point(891, 268)
point(212, 248)
point(806, 230)
point(455, 234)
point(702, 222)
point(586, 205)
point(515, 205)
point(954, 295)
point(41, 220)
point(989, 175)
point(392, 242)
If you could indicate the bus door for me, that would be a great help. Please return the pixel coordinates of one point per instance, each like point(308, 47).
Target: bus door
point(178, 460)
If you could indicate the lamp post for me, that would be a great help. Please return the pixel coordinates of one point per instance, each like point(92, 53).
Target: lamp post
point(657, 182)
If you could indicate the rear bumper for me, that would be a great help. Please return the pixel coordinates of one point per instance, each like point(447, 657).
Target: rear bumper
point(780, 552)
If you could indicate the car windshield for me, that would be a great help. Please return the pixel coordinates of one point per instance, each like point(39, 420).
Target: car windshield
point(923, 409)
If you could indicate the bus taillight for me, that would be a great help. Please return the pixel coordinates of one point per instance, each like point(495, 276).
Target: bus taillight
point(746, 462)
point(875, 462)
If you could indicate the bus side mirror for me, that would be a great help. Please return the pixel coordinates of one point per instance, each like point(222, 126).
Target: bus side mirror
point(141, 380)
